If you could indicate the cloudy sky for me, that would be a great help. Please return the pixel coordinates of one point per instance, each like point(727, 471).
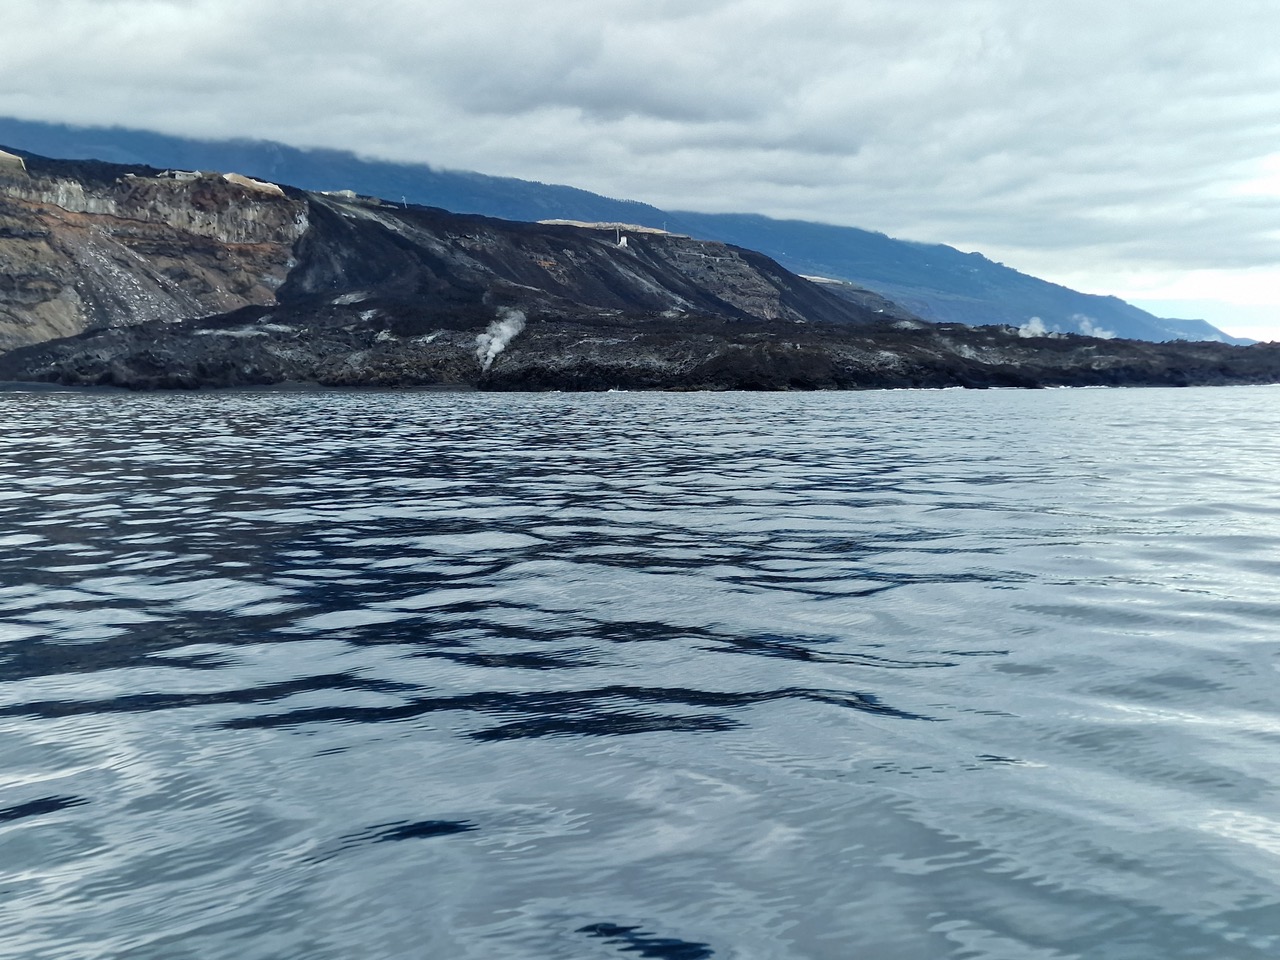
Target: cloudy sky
point(1117, 146)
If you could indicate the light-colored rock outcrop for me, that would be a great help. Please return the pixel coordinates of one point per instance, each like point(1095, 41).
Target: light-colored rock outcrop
point(261, 186)
point(86, 254)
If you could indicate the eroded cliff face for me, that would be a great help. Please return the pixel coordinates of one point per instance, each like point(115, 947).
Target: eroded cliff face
point(86, 253)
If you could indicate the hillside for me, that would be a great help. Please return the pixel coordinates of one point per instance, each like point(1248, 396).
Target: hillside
point(940, 283)
point(134, 277)
point(934, 281)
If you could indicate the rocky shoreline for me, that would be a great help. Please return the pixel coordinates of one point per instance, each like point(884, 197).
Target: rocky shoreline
point(340, 346)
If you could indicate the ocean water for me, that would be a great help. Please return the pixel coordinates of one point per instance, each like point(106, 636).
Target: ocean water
point(900, 676)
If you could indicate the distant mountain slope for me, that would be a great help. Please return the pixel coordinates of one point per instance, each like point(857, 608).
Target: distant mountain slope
point(461, 192)
point(1200, 330)
point(938, 282)
point(932, 280)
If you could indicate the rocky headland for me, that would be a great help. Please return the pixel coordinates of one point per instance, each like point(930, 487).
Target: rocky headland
point(146, 279)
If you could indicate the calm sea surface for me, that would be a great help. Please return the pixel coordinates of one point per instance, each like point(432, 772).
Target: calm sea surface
point(894, 676)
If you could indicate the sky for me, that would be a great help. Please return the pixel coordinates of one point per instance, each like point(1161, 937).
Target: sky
point(1129, 147)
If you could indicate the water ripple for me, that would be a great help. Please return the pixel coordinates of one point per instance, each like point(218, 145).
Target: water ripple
point(919, 674)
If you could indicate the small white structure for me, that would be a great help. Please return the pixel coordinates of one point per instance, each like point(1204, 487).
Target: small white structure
point(610, 225)
point(11, 164)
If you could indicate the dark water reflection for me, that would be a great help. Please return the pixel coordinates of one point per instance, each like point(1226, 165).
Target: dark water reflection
point(900, 675)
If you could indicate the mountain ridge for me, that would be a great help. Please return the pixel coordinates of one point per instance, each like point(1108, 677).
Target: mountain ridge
point(935, 281)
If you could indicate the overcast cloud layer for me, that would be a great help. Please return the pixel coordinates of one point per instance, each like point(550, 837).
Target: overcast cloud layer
point(1124, 146)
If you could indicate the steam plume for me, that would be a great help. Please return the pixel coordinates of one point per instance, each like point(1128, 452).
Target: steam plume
point(1091, 328)
point(501, 332)
point(1033, 328)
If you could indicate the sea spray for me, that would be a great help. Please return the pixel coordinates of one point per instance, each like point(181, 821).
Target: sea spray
point(501, 332)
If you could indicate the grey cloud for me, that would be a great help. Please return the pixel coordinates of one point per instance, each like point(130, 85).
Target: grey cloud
point(1081, 130)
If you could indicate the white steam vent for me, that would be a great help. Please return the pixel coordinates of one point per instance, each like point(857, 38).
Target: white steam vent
point(501, 332)
point(1091, 328)
point(1033, 328)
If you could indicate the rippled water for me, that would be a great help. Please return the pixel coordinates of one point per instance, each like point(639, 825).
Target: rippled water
point(879, 675)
